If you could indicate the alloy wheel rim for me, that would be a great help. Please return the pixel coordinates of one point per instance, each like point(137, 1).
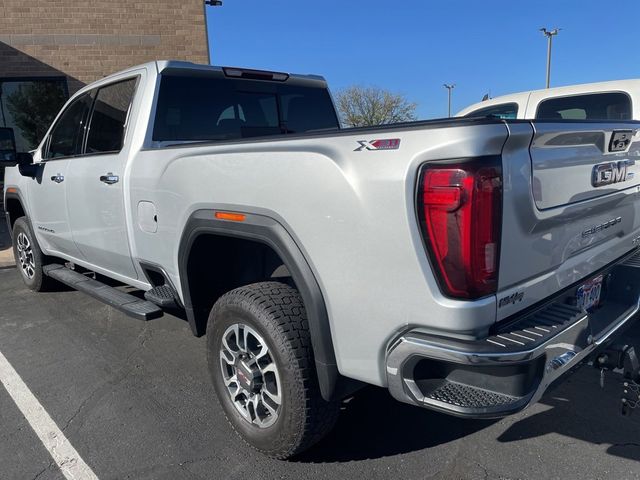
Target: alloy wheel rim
point(25, 256)
point(250, 375)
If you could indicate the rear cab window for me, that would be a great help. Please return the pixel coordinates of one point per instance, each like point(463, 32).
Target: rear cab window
point(592, 106)
point(505, 111)
point(109, 117)
point(215, 108)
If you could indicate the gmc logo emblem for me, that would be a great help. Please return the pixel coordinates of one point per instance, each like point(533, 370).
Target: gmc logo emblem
point(611, 172)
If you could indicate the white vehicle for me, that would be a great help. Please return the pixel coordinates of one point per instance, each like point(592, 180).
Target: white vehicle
point(615, 100)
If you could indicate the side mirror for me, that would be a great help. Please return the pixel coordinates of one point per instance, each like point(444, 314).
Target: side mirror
point(24, 158)
point(28, 169)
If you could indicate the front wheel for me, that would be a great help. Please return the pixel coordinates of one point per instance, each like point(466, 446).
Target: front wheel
point(261, 363)
point(29, 258)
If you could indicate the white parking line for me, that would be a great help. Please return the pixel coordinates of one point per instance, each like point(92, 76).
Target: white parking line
point(67, 458)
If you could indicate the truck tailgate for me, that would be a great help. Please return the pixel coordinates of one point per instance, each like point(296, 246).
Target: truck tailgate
point(564, 156)
point(571, 206)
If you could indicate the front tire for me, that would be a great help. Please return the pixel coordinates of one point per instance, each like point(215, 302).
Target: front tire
point(29, 258)
point(261, 363)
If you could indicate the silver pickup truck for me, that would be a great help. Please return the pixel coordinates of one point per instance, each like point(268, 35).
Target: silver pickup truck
point(463, 264)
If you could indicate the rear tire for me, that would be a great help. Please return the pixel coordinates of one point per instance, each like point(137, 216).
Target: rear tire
point(29, 258)
point(261, 363)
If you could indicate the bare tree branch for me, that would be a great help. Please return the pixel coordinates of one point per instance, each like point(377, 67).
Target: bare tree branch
point(367, 106)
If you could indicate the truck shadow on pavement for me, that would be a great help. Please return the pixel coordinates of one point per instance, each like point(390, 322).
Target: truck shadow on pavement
point(592, 415)
point(375, 425)
point(581, 409)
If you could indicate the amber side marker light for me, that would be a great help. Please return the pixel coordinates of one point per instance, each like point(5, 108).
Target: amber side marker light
point(12, 190)
point(234, 217)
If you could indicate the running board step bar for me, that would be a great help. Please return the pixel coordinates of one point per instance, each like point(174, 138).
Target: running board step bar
point(128, 304)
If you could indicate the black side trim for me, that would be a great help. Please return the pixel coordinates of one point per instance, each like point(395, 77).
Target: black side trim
point(268, 231)
point(15, 196)
point(8, 220)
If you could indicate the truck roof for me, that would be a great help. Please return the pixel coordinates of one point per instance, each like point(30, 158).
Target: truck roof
point(176, 65)
point(628, 86)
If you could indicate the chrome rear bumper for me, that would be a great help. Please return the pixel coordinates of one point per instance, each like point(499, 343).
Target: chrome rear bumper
point(512, 368)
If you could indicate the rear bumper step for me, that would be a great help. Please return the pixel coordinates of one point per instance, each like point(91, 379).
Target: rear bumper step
point(128, 304)
point(512, 368)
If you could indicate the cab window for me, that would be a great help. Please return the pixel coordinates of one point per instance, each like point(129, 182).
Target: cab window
point(66, 136)
point(210, 108)
point(109, 117)
point(507, 111)
point(593, 106)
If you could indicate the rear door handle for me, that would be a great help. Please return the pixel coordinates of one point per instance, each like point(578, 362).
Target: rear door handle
point(109, 178)
point(57, 178)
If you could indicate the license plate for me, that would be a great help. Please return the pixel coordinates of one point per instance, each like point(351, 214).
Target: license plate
point(588, 295)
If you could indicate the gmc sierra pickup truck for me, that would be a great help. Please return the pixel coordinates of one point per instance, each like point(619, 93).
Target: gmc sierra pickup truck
point(463, 264)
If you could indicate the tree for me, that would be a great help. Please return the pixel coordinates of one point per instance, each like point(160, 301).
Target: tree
point(33, 107)
point(367, 106)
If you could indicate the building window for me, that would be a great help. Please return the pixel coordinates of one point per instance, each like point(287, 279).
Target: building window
point(29, 105)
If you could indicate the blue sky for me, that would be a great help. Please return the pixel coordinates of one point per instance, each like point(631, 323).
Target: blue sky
point(413, 47)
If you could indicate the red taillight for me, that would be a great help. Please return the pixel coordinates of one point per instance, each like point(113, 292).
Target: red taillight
point(460, 209)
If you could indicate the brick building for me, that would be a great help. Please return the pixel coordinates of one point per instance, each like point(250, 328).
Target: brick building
point(48, 50)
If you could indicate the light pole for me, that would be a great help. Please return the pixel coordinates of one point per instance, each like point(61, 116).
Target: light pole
point(211, 3)
point(549, 34)
point(449, 87)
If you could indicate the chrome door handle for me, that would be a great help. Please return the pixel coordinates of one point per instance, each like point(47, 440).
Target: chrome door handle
point(57, 178)
point(109, 178)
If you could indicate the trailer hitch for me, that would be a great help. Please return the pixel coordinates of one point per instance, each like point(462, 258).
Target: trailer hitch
point(625, 358)
point(630, 397)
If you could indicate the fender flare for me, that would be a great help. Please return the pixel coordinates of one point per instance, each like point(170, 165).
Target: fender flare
point(266, 230)
point(16, 195)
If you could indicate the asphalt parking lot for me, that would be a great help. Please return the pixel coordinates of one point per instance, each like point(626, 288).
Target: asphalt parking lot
point(135, 401)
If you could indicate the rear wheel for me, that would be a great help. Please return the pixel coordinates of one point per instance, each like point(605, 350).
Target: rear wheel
point(29, 258)
point(262, 367)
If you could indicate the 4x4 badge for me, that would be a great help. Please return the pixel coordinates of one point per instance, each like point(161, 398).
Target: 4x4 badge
point(382, 144)
point(620, 140)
